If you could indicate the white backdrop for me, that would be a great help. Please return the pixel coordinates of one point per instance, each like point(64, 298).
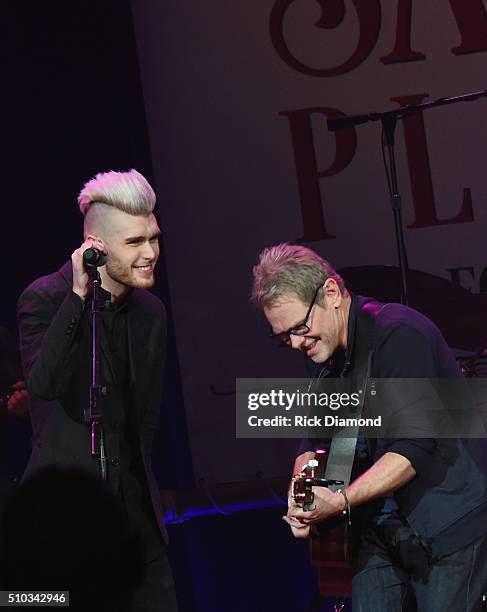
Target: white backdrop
point(221, 97)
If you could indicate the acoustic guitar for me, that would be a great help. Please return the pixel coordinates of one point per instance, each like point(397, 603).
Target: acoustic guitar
point(329, 541)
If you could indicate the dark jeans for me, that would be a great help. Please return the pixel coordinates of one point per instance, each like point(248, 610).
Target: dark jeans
point(395, 573)
point(157, 592)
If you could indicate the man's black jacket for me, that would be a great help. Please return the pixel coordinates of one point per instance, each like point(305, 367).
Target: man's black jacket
point(446, 502)
point(49, 316)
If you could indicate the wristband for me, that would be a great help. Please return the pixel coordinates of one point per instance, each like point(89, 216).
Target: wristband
point(346, 510)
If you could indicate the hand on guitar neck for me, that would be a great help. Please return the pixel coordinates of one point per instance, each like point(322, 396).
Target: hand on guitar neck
point(389, 473)
point(325, 503)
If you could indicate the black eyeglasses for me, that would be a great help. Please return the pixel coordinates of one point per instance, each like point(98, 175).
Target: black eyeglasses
point(283, 338)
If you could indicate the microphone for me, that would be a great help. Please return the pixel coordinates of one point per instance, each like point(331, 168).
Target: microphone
point(94, 258)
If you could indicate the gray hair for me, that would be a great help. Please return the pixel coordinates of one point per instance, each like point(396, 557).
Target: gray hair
point(128, 191)
point(290, 269)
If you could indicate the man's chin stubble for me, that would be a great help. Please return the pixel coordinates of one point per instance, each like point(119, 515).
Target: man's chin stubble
point(144, 283)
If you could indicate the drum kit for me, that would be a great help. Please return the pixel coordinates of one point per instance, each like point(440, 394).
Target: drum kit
point(460, 315)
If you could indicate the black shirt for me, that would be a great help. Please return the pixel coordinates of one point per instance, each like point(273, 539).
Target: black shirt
point(125, 468)
point(446, 502)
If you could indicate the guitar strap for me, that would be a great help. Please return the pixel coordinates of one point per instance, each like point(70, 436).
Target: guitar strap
point(344, 441)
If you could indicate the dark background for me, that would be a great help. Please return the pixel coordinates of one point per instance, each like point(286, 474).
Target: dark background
point(72, 106)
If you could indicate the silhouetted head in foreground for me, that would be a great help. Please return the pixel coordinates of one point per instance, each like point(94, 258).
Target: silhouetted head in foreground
point(64, 530)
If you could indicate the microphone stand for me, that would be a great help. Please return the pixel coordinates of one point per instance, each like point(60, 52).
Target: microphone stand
point(389, 121)
point(93, 414)
point(389, 127)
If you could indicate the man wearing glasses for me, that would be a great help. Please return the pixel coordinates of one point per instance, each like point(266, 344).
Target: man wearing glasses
point(421, 509)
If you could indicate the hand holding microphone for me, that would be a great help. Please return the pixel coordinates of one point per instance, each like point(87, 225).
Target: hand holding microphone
point(92, 253)
point(94, 258)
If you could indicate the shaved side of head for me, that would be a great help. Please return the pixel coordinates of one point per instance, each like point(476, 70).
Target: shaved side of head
point(98, 221)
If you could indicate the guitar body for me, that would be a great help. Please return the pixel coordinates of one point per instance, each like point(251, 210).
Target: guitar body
point(329, 542)
point(329, 550)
